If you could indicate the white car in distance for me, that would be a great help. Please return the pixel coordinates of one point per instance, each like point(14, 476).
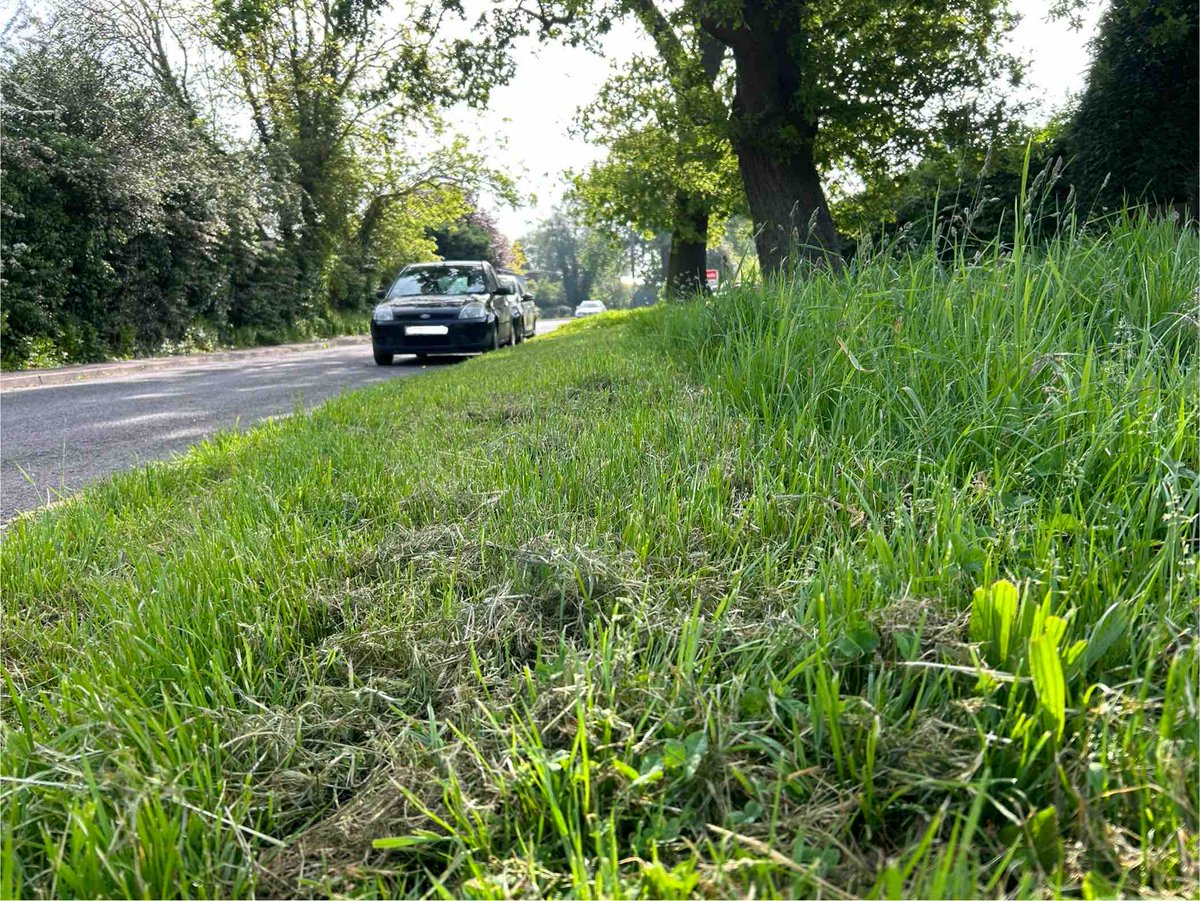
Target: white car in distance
point(589, 308)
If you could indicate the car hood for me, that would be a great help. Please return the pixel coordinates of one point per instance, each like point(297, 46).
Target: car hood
point(433, 301)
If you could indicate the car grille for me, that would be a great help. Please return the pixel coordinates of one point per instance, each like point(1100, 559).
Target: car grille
point(425, 315)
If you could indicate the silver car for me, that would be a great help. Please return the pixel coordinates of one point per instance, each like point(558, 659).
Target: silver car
point(589, 308)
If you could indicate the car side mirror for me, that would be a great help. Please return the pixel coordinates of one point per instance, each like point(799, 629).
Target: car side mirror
point(380, 293)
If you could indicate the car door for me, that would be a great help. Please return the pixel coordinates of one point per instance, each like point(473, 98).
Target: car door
point(513, 300)
point(531, 313)
point(518, 305)
point(501, 306)
point(523, 306)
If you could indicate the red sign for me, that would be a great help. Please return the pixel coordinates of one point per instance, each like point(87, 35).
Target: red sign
point(712, 277)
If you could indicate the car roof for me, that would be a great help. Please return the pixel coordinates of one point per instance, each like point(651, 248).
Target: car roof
point(445, 263)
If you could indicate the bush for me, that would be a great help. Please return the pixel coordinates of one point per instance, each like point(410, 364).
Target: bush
point(129, 230)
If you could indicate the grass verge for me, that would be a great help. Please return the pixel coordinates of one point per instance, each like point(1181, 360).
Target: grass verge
point(31, 354)
point(877, 585)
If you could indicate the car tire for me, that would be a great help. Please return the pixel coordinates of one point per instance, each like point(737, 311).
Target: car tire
point(495, 337)
point(518, 333)
point(381, 359)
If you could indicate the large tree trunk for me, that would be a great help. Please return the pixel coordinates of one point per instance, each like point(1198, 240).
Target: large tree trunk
point(689, 248)
point(787, 204)
point(773, 135)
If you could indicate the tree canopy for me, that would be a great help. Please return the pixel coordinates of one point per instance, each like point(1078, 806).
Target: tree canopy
point(1135, 134)
point(669, 165)
point(187, 172)
point(473, 236)
point(562, 249)
point(817, 87)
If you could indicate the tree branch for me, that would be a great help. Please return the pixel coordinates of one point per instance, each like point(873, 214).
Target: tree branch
point(669, 47)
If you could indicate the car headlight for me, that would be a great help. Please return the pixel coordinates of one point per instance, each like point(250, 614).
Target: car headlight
point(473, 311)
point(383, 313)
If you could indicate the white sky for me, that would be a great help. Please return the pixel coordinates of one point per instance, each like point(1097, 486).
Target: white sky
point(536, 110)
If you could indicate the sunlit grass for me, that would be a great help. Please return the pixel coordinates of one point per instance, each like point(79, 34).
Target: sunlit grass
point(876, 585)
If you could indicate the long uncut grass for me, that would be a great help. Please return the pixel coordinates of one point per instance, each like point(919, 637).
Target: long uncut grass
point(880, 584)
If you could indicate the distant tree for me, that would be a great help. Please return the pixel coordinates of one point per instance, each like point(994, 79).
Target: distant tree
point(565, 249)
point(473, 235)
point(669, 166)
point(547, 291)
point(519, 262)
point(462, 239)
point(1136, 131)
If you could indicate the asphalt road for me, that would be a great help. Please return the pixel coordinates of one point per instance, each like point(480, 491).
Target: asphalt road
point(56, 439)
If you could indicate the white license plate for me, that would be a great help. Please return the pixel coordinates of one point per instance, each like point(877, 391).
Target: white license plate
point(426, 330)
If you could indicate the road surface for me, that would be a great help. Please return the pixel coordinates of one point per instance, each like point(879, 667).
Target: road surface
point(56, 439)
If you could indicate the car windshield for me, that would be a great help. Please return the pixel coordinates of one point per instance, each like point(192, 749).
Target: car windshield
point(590, 305)
point(439, 280)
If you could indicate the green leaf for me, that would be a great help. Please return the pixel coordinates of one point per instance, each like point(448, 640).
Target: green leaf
point(407, 841)
point(968, 556)
point(1110, 628)
point(696, 745)
point(846, 649)
point(626, 770)
point(1044, 839)
point(1096, 888)
point(675, 754)
point(993, 618)
point(748, 814)
point(755, 702)
point(908, 643)
point(859, 640)
point(1046, 669)
point(1054, 628)
point(1065, 524)
point(864, 636)
point(678, 882)
point(1074, 654)
point(653, 774)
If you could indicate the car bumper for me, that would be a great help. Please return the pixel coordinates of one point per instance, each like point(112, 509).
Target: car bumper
point(460, 338)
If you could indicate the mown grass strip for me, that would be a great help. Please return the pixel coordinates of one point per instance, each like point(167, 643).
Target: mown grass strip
point(728, 598)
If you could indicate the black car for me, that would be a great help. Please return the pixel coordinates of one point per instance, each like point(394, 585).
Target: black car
point(525, 311)
point(453, 307)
